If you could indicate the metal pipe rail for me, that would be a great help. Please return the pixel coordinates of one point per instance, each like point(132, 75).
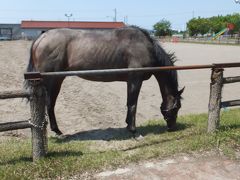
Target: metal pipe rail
point(39, 75)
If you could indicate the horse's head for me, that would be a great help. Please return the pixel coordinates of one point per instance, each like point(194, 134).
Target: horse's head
point(170, 108)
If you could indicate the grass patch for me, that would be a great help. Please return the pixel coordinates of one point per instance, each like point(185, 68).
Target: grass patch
point(75, 156)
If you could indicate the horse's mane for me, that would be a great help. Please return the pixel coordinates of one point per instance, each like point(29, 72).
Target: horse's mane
point(163, 58)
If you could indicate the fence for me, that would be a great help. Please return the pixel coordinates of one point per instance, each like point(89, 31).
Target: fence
point(37, 97)
point(215, 102)
point(37, 122)
point(215, 92)
point(205, 40)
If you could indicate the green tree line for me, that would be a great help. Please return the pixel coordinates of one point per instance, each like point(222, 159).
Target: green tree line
point(213, 24)
point(201, 26)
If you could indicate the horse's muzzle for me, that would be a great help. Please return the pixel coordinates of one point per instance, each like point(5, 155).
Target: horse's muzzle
point(171, 126)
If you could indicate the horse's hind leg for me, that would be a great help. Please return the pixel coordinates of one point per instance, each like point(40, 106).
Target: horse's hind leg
point(53, 88)
point(133, 88)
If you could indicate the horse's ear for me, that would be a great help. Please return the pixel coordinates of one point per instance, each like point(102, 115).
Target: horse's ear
point(181, 91)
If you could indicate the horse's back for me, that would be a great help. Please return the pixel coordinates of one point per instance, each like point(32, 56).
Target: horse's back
point(66, 49)
point(75, 48)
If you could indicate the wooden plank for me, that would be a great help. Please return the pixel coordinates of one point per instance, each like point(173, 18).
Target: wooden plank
point(14, 94)
point(215, 100)
point(228, 80)
point(230, 103)
point(14, 125)
point(38, 121)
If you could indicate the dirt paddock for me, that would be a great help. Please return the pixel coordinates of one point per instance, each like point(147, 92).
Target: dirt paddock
point(91, 106)
point(84, 105)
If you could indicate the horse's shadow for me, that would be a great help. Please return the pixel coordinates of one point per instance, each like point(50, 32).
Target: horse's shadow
point(117, 133)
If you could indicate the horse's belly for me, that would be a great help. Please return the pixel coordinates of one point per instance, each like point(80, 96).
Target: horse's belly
point(111, 78)
point(105, 78)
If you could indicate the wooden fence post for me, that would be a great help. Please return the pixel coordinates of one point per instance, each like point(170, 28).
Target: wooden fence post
point(38, 121)
point(214, 105)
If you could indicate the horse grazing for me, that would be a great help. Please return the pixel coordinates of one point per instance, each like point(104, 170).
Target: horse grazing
point(128, 47)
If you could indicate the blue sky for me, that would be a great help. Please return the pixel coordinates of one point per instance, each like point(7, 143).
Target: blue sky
point(143, 13)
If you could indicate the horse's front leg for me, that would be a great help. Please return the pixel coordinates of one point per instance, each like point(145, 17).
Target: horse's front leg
point(133, 89)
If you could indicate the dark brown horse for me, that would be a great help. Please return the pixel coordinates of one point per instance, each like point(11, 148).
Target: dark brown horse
point(128, 47)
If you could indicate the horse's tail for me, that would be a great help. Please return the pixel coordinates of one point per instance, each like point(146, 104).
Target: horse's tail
point(30, 68)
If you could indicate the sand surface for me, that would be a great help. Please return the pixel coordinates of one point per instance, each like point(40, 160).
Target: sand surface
point(84, 105)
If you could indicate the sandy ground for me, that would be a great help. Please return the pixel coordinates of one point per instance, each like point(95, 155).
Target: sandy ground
point(84, 105)
point(91, 106)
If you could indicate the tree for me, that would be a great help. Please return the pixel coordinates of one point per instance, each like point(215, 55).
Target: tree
point(214, 24)
point(162, 28)
point(198, 26)
point(193, 27)
point(204, 26)
point(217, 23)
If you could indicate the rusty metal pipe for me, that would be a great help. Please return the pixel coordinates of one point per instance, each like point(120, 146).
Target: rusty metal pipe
point(37, 75)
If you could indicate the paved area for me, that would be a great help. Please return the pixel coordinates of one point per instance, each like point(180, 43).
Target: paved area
point(179, 168)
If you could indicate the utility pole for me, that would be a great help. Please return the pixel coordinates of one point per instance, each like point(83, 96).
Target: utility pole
point(125, 19)
point(115, 14)
point(68, 16)
point(238, 2)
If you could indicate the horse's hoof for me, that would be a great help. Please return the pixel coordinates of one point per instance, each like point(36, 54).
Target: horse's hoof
point(61, 137)
point(138, 137)
point(171, 129)
point(131, 130)
point(58, 132)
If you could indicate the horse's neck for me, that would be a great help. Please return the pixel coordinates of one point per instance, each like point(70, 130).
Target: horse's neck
point(167, 90)
point(167, 93)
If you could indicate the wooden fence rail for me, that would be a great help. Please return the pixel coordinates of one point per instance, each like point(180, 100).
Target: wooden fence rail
point(19, 124)
point(228, 80)
point(14, 125)
point(230, 103)
point(14, 94)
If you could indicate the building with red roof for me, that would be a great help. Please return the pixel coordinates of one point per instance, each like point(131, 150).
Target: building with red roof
point(70, 24)
point(32, 29)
